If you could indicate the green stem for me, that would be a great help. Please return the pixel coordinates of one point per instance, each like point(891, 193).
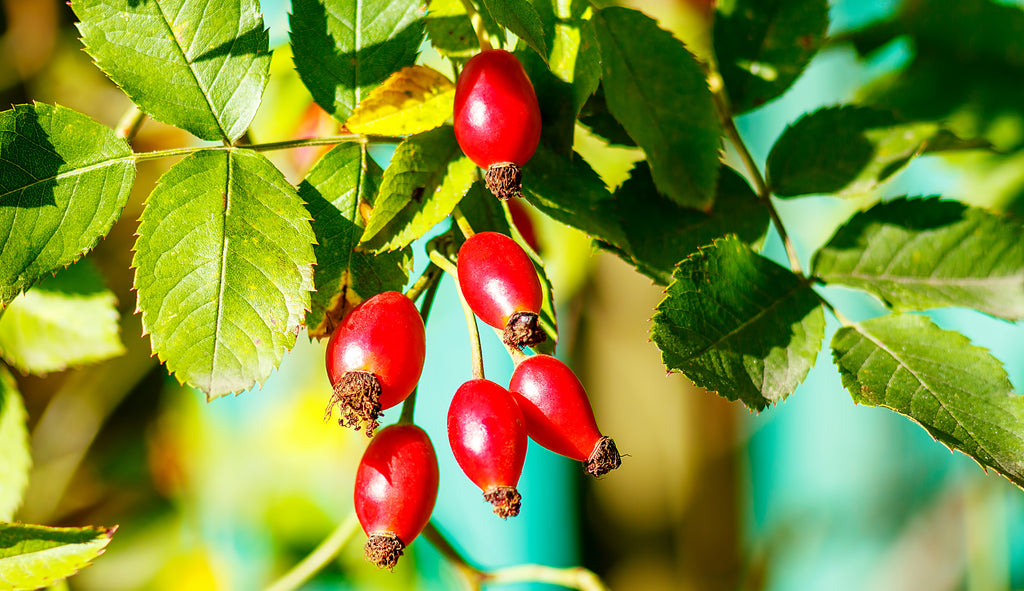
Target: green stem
point(575, 577)
point(299, 143)
point(319, 557)
point(760, 187)
point(478, 25)
point(130, 123)
point(462, 222)
point(409, 405)
point(476, 351)
point(425, 281)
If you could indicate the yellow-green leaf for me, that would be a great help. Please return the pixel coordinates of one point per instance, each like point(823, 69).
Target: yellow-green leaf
point(410, 101)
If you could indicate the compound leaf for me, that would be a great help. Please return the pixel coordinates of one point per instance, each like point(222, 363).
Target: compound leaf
point(738, 324)
point(923, 253)
point(336, 188)
point(35, 556)
point(410, 101)
point(427, 177)
point(223, 269)
point(670, 114)
point(66, 320)
point(200, 65)
point(346, 48)
point(764, 45)
point(659, 233)
point(65, 181)
point(849, 150)
point(15, 459)
point(958, 392)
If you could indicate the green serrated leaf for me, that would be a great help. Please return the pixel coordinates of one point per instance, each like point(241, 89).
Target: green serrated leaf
point(346, 48)
point(924, 253)
point(223, 269)
point(764, 45)
point(451, 32)
point(958, 392)
point(69, 319)
point(15, 458)
point(410, 101)
point(738, 324)
point(427, 177)
point(483, 212)
point(199, 65)
point(34, 556)
point(520, 17)
point(334, 190)
point(600, 121)
point(672, 117)
point(659, 233)
point(65, 181)
point(849, 150)
point(567, 189)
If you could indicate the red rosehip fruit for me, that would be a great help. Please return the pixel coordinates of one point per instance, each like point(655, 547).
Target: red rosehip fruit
point(374, 358)
point(488, 440)
point(558, 414)
point(501, 286)
point(395, 492)
point(497, 118)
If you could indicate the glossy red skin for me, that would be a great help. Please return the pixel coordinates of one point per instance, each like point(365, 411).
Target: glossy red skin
point(487, 434)
point(555, 406)
point(497, 118)
point(497, 278)
point(396, 482)
point(383, 335)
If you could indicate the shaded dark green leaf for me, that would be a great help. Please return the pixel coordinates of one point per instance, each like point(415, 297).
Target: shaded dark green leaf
point(738, 324)
point(520, 17)
point(201, 66)
point(923, 253)
point(764, 45)
point(65, 181)
point(427, 177)
point(671, 117)
point(958, 392)
point(223, 269)
point(334, 190)
point(451, 32)
point(345, 48)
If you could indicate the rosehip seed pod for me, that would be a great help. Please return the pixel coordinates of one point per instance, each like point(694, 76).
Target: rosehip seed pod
point(501, 286)
point(374, 358)
point(395, 491)
point(497, 118)
point(558, 414)
point(488, 439)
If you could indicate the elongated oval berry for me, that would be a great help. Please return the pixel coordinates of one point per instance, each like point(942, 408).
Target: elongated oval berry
point(374, 358)
point(497, 118)
point(488, 440)
point(558, 414)
point(395, 492)
point(500, 284)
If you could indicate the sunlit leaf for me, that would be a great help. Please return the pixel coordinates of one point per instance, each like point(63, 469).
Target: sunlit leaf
point(336, 188)
point(451, 32)
point(346, 48)
point(15, 459)
point(412, 100)
point(669, 113)
point(65, 181)
point(66, 320)
point(923, 253)
point(200, 65)
point(955, 390)
point(738, 324)
point(223, 269)
point(520, 17)
point(34, 556)
point(427, 177)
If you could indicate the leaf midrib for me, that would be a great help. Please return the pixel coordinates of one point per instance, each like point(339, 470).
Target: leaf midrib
point(69, 173)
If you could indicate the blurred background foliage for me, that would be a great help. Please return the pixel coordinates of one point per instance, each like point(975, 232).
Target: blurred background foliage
point(816, 493)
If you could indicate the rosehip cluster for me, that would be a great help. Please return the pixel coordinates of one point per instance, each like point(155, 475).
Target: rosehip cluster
point(375, 355)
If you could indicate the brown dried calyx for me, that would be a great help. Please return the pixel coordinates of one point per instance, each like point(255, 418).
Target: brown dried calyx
point(384, 550)
point(506, 501)
point(357, 395)
point(504, 180)
point(604, 458)
point(523, 330)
